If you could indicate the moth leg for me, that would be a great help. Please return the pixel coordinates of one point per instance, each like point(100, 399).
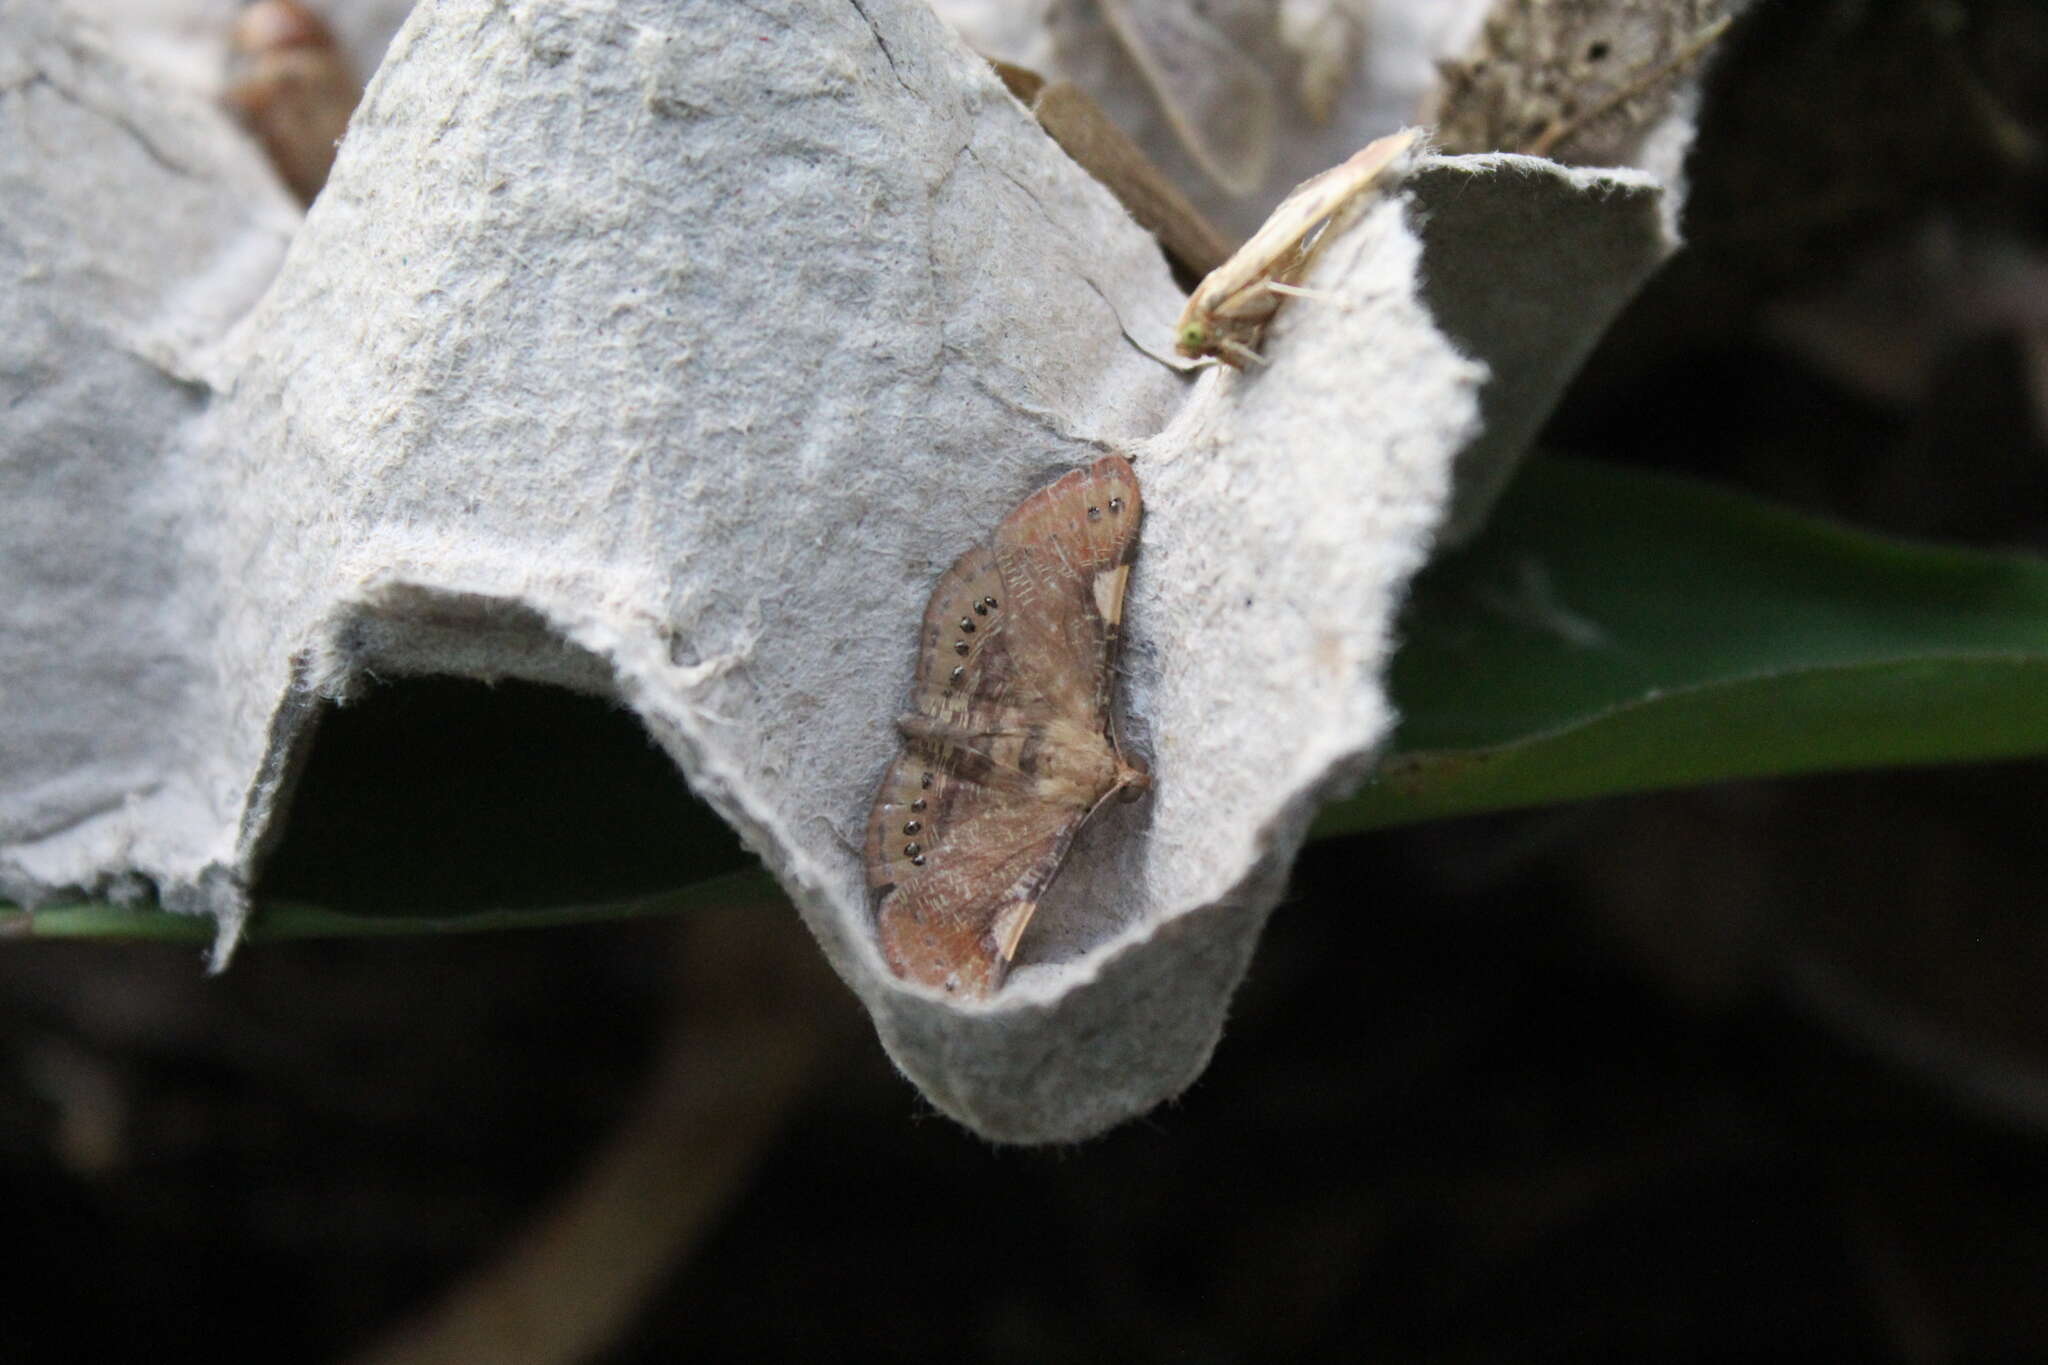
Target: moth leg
point(1134, 776)
point(1238, 353)
point(1295, 291)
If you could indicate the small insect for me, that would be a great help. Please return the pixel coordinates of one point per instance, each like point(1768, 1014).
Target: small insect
point(1011, 743)
point(1227, 314)
point(293, 88)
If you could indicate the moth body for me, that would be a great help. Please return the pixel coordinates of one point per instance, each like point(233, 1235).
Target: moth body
point(1227, 314)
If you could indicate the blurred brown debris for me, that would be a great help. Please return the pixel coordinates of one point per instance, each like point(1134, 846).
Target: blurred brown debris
point(293, 86)
point(1084, 132)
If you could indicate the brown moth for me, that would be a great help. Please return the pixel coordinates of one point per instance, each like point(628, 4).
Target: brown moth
point(294, 89)
point(1227, 314)
point(1010, 744)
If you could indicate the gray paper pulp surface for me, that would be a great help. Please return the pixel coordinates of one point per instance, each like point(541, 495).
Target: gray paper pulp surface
point(135, 225)
point(669, 352)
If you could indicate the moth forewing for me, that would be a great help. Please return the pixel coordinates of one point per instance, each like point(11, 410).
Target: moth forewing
point(1227, 314)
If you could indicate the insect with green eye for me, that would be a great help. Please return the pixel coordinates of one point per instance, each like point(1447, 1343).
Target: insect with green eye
point(1227, 314)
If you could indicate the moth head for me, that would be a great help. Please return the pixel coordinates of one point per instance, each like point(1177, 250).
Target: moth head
point(1194, 338)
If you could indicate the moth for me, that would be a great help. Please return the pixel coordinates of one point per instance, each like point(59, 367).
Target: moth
point(293, 88)
point(1227, 314)
point(1011, 743)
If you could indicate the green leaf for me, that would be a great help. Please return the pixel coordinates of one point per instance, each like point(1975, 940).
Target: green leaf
point(276, 923)
point(1616, 632)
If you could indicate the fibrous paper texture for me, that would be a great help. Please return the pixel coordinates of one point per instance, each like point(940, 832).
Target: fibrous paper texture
point(669, 352)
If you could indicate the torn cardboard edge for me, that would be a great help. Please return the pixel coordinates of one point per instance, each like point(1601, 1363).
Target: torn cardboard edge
point(429, 418)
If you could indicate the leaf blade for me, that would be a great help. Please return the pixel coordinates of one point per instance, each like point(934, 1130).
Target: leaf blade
point(1616, 632)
